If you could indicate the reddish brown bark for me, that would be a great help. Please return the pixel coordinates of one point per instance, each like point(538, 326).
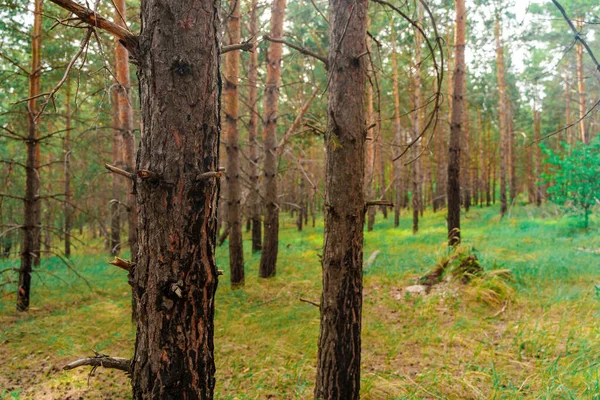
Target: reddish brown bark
point(254, 201)
point(398, 142)
point(126, 125)
point(370, 158)
point(502, 116)
point(268, 259)
point(338, 369)
point(231, 111)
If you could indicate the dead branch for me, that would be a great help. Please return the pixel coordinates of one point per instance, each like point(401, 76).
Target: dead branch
point(377, 203)
point(300, 49)
point(101, 360)
point(248, 45)
point(119, 171)
point(126, 37)
point(311, 302)
point(121, 263)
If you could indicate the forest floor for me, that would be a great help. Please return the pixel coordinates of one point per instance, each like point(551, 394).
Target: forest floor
point(545, 343)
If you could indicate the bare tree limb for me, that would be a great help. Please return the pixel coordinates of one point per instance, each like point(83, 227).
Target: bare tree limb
point(301, 49)
point(119, 171)
point(90, 17)
point(101, 360)
point(248, 45)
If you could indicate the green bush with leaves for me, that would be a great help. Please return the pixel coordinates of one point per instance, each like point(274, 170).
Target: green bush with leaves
point(574, 178)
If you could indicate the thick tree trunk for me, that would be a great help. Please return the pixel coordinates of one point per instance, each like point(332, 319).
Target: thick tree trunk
point(175, 277)
point(231, 111)
point(254, 202)
point(30, 249)
point(457, 125)
point(68, 221)
point(338, 369)
point(268, 257)
point(502, 116)
point(126, 125)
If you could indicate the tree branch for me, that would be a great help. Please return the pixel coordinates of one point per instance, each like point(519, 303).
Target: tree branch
point(245, 46)
point(119, 171)
point(101, 360)
point(300, 49)
point(90, 17)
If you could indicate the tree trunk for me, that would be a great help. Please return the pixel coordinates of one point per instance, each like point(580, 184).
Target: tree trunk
point(30, 249)
point(370, 158)
point(68, 221)
point(397, 163)
point(457, 125)
point(268, 257)
point(581, 87)
point(231, 111)
point(502, 115)
point(175, 277)
point(537, 157)
point(126, 125)
point(117, 156)
point(254, 202)
point(338, 369)
point(417, 178)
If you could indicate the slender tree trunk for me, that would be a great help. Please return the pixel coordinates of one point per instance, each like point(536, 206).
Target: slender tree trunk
point(502, 116)
point(457, 125)
point(380, 163)
point(68, 222)
point(175, 277)
point(338, 368)
point(253, 153)
point(231, 111)
point(417, 178)
point(30, 250)
point(397, 136)
point(117, 156)
point(581, 87)
point(301, 194)
point(512, 158)
point(370, 158)
point(268, 257)
point(465, 180)
point(537, 157)
point(126, 125)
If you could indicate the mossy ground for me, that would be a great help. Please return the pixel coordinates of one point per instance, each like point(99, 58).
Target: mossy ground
point(544, 344)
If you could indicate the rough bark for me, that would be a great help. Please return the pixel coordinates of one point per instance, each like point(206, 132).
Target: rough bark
point(338, 369)
point(457, 125)
point(175, 277)
point(254, 202)
point(268, 257)
point(502, 115)
point(231, 111)
point(30, 249)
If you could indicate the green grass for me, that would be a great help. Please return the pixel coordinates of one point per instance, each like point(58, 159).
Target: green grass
point(545, 344)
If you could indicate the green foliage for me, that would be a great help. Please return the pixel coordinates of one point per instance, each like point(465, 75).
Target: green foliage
point(574, 178)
